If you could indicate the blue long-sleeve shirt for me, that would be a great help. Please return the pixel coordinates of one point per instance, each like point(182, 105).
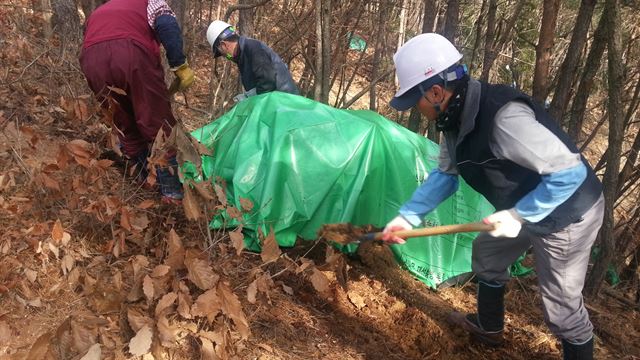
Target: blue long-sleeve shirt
point(436, 189)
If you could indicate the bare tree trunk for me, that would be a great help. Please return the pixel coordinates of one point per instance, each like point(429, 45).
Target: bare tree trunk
point(377, 55)
point(629, 164)
point(403, 20)
point(626, 245)
point(502, 39)
point(428, 21)
point(326, 50)
point(543, 49)
point(245, 19)
point(451, 20)
point(591, 67)
point(343, 87)
point(323, 48)
point(65, 19)
point(478, 33)
point(430, 15)
point(88, 6)
point(179, 8)
point(489, 39)
point(45, 7)
point(569, 66)
point(240, 6)
point(616, 134)
point(317, 92)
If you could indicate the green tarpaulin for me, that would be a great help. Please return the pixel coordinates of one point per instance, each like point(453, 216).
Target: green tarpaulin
point(304, 164)
point(356, 42)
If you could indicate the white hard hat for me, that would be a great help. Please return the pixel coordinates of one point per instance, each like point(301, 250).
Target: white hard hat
point(419, 59)
point(215, 29)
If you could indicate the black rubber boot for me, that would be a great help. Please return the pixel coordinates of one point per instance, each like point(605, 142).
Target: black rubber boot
point(487, 325)
point(577, 352)
point(490, 306)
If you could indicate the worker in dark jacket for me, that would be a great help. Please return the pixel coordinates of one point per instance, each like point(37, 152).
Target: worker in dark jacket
point(509, 149)
point(121, 50)
point(261, 69)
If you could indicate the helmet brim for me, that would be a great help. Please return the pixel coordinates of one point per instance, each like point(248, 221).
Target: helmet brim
point(407, 100)
point(411, 97)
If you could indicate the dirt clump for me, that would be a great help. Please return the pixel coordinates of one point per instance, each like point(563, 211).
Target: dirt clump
point(344, 233)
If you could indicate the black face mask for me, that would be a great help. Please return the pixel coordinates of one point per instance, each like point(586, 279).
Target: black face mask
point(449, 120)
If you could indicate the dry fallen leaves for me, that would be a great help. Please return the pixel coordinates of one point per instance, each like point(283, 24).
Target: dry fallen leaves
point(141, 343)
point(200, 273)
point(252, 291)
point(57, 233)
point(175, 251)
point(138, 319)
point(207, 305)
point(167, 333)
point(232, 308)
point(117, 90)
point(207, 351)
point(356, 299)
point(220, 193)
point(139, 262)
point(184, 305)
point(270, 250)
point(5, 332)
point(165, 302)
point(191, 205)
point(147, 288)
point(319, 281)
point(246, 204)
point(94, 353)
point(160, 270)
point(237, 239)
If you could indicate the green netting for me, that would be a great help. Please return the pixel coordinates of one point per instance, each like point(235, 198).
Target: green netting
point(304, 164)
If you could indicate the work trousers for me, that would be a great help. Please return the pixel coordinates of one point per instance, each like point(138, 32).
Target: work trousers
point(144, 109)
point(561, 261)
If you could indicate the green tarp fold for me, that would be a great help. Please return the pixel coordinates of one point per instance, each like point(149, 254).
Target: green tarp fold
point(304, 164)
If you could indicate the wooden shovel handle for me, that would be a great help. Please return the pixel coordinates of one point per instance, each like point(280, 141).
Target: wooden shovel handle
point(439, 230)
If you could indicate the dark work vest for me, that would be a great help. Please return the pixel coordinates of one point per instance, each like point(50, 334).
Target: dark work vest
point(503, 182)
point(121, 19)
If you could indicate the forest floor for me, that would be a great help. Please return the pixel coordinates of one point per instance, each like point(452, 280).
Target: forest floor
point(93, 266)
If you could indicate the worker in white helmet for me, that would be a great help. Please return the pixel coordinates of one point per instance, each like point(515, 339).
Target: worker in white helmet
point(510, 150)
point(261, 69)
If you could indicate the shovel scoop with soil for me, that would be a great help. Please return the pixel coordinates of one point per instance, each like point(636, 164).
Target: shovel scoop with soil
point(345, 233)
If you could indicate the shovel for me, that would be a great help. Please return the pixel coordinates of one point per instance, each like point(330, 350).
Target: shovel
point(430, 231)
point(348, 234)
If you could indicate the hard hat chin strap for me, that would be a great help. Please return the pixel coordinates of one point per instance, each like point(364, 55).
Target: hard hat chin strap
point(449, 119)
point(437, 108)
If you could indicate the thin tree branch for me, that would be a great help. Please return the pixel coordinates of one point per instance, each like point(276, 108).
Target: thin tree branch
point(236, 7)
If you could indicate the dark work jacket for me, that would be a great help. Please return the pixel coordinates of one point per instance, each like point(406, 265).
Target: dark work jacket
point(504, 182)
point(261, 68)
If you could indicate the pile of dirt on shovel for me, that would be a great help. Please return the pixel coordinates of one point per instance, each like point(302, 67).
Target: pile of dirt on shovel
point(344, 233)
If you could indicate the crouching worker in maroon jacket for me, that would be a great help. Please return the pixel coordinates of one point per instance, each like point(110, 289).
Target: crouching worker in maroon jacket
point(121, 49)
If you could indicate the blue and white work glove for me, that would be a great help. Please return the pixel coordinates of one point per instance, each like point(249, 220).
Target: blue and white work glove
point(245, 95)
point(398, 223)
point(507, 223)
